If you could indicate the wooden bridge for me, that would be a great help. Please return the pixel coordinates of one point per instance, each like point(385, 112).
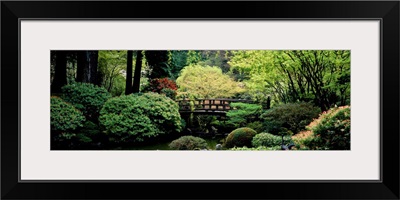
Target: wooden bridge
point(207, 106)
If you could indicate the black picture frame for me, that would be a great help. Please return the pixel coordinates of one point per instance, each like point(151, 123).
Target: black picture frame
point(386, 11)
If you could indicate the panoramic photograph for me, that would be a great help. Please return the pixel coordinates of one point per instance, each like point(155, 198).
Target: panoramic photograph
point(200, 100)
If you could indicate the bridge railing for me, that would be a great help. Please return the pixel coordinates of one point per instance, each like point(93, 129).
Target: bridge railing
point(207, 105)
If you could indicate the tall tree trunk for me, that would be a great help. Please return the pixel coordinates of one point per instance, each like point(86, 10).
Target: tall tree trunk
point(93, 62)
point(74, 68)
point(60, 75)
point(138, 69)
point(87, 67)
point(128, 88)
point(81, 71)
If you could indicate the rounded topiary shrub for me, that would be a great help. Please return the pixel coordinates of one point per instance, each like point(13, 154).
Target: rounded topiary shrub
point(188, 142)
point(86, 97)
point(269, 140)
point(136, 117)
point(332, 132)
point(64, 117)
point(240, 137)
point(289, 118)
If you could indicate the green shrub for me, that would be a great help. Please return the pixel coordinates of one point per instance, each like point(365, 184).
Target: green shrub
point(204, 123)
point(240, 137)
point(64, 116)
point(269, 140)
point(243, 113)
point(86, 97)
point(188, 143)
point(118, 86)
point(169, 93)
point(332, 132)
point(68, 141)
point(91, 132)
point(89, 129)
point(257, 126)
point(289, 118)
point(138, 116)
point(156, 85)
point(222, 126)
point(260, 148)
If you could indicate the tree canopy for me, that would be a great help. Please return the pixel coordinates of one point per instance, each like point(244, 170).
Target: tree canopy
point(320, 76)
point(207, 82)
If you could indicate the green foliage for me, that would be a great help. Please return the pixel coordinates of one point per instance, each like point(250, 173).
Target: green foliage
point(86, 97)
point(321, 76)
point(177, 60)
point(162, 86)
point(118, 86)
point(63, 141)
point(70, 141)
point(83, 138)
point(144, 83)
point(240, 137)
point(169, 93)
point(260, 148)
point(222, 126)
point(139, 116)
point(112, 65)
point(243, 113)
point(257, 70)
point(332, 132)
point(204, 122)
point(256, 125)
point(158, 64)
point(64, 116)
point(289, 118)
point(193, 57)
point(207, 82)
point(65, 121)
point(269, 140)
point(90, 129)
point(188, 143)
point(218, 58)
point(183, 123)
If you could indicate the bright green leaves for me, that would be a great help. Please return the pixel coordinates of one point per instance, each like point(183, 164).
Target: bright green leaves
point(112, 66)
point(207, 82)
point(289, 118)
point(139, 116)
point(64, 116)
point(243, 113)
point(322, 76)
point(269, 140)
point(86, 97)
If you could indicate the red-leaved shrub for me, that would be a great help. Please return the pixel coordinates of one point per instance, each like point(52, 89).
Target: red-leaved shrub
point(158, 84)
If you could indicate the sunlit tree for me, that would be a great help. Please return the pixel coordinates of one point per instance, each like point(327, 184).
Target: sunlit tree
point(207, 82)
